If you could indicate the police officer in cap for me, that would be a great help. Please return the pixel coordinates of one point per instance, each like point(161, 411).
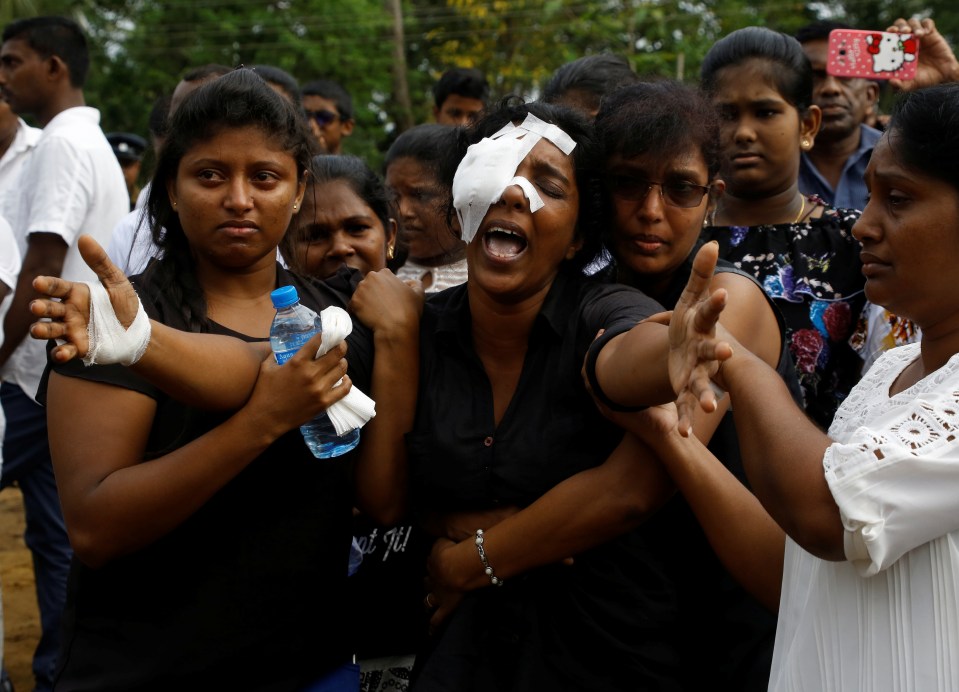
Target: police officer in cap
point(129, 149)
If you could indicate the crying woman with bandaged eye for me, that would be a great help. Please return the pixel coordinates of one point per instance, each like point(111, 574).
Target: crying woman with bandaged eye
point(511, 464)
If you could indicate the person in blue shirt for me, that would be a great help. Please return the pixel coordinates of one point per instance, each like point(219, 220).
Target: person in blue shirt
point(833, 167)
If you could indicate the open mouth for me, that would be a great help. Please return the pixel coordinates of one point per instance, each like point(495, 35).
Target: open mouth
point(503, 243)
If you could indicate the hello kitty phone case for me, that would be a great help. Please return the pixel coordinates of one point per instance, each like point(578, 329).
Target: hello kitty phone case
point(872, 54)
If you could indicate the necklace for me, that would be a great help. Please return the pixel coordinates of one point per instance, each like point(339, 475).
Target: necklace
point(710, 219)
point(802, 208)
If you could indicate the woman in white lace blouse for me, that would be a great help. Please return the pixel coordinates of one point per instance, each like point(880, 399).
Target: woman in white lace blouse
point(870, 590)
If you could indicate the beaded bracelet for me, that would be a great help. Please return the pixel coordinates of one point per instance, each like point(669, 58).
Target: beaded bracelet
point(487, 567)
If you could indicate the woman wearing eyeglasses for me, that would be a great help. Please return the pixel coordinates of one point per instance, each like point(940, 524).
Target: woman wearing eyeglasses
point(662, 153)
point(801, 250)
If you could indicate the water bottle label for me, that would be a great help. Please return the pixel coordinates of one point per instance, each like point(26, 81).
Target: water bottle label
point(293, 343)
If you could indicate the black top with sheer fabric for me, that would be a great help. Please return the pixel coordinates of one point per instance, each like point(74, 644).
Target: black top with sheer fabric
point(603, 623)
point(250, 591)
point(813, 273)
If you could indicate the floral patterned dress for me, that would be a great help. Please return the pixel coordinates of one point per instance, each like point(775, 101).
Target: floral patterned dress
point(879, 330)
point(812, 271)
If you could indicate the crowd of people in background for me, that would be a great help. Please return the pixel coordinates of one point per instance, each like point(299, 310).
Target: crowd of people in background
point(665, 377)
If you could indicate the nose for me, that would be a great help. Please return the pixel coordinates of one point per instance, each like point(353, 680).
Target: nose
point(317, 132)
point(340, 246)
point(405, 204)
point(239, 197)
point(651, 208)
point(514, 197)
point(744, 131)
point(829, 85)
point(867, 227)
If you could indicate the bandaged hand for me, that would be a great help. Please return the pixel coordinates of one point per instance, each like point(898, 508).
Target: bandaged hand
point(67, 306)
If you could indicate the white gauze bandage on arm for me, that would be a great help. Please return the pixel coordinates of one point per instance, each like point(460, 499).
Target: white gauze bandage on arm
point(356, 408)
point(109, 342)
point(489, 167)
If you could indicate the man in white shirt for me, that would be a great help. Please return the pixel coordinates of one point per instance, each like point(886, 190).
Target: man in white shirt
point(17, 140)
point(71, 184)
point(9, 269)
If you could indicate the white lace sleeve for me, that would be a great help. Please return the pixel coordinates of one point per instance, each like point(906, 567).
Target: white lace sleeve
point(895, 477)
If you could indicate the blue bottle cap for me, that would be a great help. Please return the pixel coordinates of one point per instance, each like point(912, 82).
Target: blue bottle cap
point(284, 297)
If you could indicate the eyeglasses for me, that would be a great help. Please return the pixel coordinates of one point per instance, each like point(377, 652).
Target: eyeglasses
point(679, 194)
point(323, 117)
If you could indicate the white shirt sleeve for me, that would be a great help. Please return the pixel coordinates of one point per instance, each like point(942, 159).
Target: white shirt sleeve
point(131, 245)
point(9, 256)
point(60, 189)
point(896, 482)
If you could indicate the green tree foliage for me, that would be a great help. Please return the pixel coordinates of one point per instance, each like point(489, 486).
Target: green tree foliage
point(141, 47)
point(520, 42)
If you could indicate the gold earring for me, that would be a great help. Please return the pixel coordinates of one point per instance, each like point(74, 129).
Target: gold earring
point(174, 205)
point(295, 205)
point(805, 143)
point(389, 251)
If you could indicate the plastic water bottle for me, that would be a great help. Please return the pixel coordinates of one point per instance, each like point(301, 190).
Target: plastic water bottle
point(293, 326)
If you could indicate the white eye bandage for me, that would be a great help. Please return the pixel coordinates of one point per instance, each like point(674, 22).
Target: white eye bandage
point(489, 167)
point(356, 408)
point(109, 342)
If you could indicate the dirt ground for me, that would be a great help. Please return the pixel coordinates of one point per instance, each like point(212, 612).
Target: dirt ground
point(20, 619)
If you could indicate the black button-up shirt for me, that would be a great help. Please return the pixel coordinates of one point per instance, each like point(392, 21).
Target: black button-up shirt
point(615, 598)
point(551, 429)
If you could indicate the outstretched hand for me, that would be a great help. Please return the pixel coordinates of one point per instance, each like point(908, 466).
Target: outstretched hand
point(70, 314)
point(694, 351)
point(937, 62)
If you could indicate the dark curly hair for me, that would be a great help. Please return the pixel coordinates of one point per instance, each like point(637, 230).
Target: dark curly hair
point(664, 119)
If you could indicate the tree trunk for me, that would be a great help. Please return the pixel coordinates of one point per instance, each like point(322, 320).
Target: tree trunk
point(401, 89)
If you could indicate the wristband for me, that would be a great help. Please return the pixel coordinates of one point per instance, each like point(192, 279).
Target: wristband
point(487, 567)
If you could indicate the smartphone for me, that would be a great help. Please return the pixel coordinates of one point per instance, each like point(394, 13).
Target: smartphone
point(872, 54)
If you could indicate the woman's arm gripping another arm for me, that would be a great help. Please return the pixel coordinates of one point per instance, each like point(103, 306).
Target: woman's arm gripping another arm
point(205, 370)
point(651, 365)
point(584, 511)
point(782, 454)
point(114, 503)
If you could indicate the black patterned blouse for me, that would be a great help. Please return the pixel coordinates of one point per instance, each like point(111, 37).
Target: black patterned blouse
point(812, 271)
